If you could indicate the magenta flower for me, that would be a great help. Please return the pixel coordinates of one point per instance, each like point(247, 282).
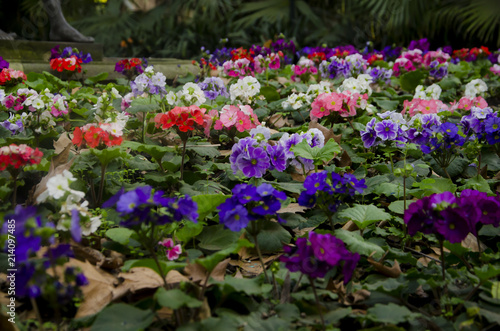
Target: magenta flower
point(172, 251)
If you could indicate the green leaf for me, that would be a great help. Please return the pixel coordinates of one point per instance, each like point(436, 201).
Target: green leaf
point(477, 183)
point(150, 263)
point(107, 155)
point(175, 299)
point(216, 237)
point(398, 206)
point(390, 313)
point(157, 152)
point(211, 261)
point(97, 78)
point(495, 290)
point(207, 151)
point(189, 231)
point(270, 93)
point(318, 155)
point(357, 244)
point(364, 215)
point(249, 286)
point(142, 105)
point(272, 236)
point(120, 235)
point(385, 104)
point(487, 272)
point(410, 80)
point(429, 186)
point(122, 317)
point(208, 203)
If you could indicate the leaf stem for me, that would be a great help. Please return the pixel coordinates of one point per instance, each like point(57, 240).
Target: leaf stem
point(317, 303)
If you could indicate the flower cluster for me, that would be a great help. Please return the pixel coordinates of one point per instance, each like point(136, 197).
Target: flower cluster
point(296, 101)
point(98, 135)
point(271, 61)
point(391, 128)
point(302, 71)
point(105, 112)
point(11, 77)
point(254, 155)
point(314, 138)
point(70, 64)
point(184, 118)
point(149, 82)
point(360, 85)
point(422, 106)
point(432, 92)
point(467, 103)
point(32, 101)
point(474, 88)
point(142, 206)
point(32, 280)
point(67, 52)
point(244, 90)
point(379, 74)
point(484, 123)
point(190, 94)
point(238, 68)
point(74, 215)
point(240, 117)
point(250, 203)
point(408, 61)
point(172, 251)
point(14, 123)
point(213, 87)
point(469, 55)
point(328, 189)
point(130, 67)
point(452, 218)
point(344, 104)
point(319, 253)
point(18, 156)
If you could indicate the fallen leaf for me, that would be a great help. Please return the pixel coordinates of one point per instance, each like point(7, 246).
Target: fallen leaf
point(345, 160)
point(328, 133)
point(282, 80)
point(358, 296)
point(300, 232)
point(137, 279)
point(175, 277)
point(279, 121)
point(198, 273)
point(248, 268)
point(298, 177)
point(225, 152)
point(292, 208)
point(393, 271)
point(61, 143)
point(94, 256)
point(350, 226)
point(470, 242)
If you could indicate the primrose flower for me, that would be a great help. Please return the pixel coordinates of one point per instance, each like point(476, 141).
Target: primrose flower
point(172, 251)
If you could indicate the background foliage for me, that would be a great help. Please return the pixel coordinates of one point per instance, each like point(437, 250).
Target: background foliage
point(178, 28)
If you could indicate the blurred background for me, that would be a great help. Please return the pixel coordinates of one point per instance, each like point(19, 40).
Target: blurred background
point(179, 28)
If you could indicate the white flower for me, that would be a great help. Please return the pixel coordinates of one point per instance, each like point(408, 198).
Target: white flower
point(149, 69)
point(475, 87)
point(115, 93)
point(172, 98)
point(91, 225)
point(158, 79)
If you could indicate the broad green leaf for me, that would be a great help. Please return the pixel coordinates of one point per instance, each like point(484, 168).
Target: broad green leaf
point(120, 235)
point(208, 203)
point(386, 105)
point(477, 183)
point(398, 206)
point(272, 236)
point(97, 78)
point(142, 105)
point(364, 215)
point(175, 299)
point(157, 152)
point(495, 290)
point(390, 313)
point(318, 155)
point(357, 244)
point(410, 80)
point(122, 317)
point(211, 261)
point(249, 286)
point(429, 186)
point(270, 93)
point(109, 154)
point(216, 237)
point(189, 231)
point(487, 272)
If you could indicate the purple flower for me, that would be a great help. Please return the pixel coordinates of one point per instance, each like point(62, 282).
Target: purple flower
point(492, 124)
point(277, 157)
point(369, 136)
point(386, 130)
point(315, 181)
point(75, 229)
point(81, 280)
point(3, 63)
point(421, 44)
point(254, 163)
point(213, 87)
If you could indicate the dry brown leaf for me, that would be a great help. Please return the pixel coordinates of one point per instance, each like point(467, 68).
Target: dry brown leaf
point(393, 271)
point(225, 152)
point(292, 208)
point(279, 121)
point(248, 268)
point(328, 133)
point(175, 277)
point(198, 273)
point(358, 296)
point(425, 260)
point(350, 226)
point(300, 232)
point(345, 160)
point(470, 242)
point(298, 177)
point(94, 256)
point(99, 292)
point(164, 314)
point(282, 80)
point(61, 143)
point(5, 325)
point(139, 278)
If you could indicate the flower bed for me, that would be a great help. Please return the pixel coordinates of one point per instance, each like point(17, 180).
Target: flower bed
point(353, 189)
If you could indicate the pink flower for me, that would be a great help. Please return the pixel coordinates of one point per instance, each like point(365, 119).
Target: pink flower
point(319, 107)
point(479, 102)
point(275, 61)
point(243, 122)
point(465, 103)
point(427, 107)
point(333, 101)
point(172, 251)
point(228, 117)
